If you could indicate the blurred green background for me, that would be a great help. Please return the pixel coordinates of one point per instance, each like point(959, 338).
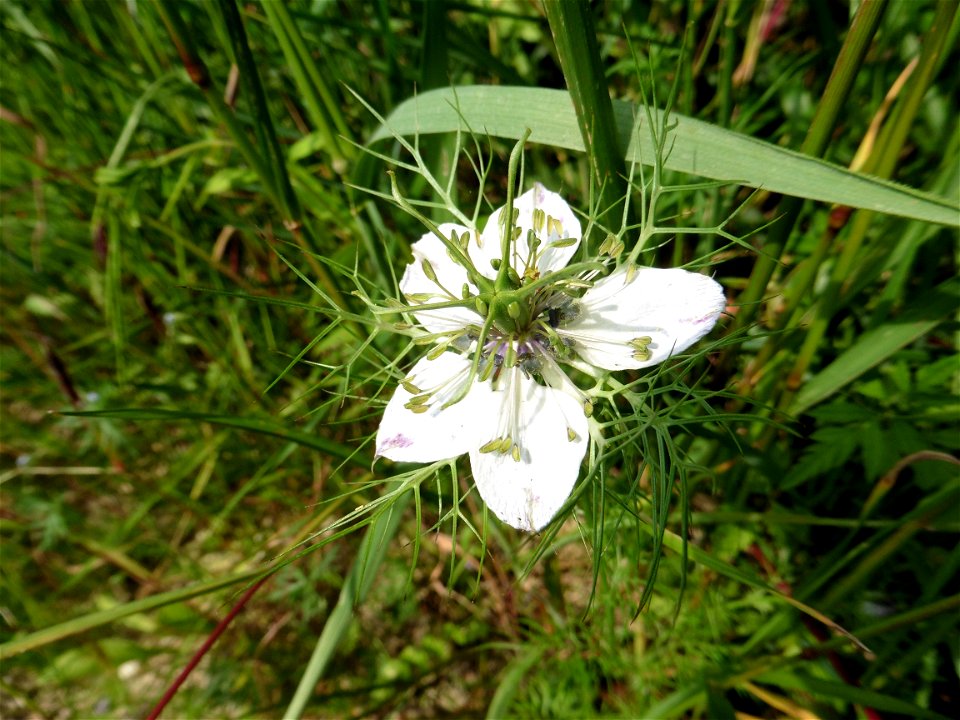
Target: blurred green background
point(190, 385)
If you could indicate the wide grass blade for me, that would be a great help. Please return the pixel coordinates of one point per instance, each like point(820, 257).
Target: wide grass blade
point(878, 344)
point(698, 148)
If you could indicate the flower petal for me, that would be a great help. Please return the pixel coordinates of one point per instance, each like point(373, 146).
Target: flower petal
point(643, 322)
point(558, 224)
point(526, 485)
point(437, 433)
point(449, 274)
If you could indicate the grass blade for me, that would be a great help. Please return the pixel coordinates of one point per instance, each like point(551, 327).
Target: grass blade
point(105, 617)
point(257, 425)
point(698, 147)
point(876, 345)
point(373, 549)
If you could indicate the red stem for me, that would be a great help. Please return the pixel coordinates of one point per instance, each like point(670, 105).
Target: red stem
point(207, 644)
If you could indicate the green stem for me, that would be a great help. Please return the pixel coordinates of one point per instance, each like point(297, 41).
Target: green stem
point(848, 64)
point(571, 23)
point(502, 281)
point(889, 144)
point(197, 70)
point(263, 124)
point(323, 109)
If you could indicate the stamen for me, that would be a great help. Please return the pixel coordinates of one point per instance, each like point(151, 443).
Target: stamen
point(539, 218)
point(510, 356)
point(437, 351)
point(607, 244)
point(611, 246)
point(410, 387)
point(640, 350)
point(554, 227)
point(492, 446)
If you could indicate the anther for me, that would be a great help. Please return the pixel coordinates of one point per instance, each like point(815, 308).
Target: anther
point(428, 271)
point(410, 387)
point(492, 446)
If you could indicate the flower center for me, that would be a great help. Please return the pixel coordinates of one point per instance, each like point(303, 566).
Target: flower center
point(524, 332)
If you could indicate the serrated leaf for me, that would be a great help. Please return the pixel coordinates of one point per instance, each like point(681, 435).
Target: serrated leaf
point(840, 412)
point(832, 447)
point(939, 375)
point(878, 454)
point(696, 147)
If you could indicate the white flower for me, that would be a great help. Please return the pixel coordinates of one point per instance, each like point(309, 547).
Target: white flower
point(502, 396)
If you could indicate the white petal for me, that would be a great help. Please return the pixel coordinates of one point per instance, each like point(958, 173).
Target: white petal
point(449, 274)
point(527, 493)
point(550, 258)
point(673, 308)
point(438, 433)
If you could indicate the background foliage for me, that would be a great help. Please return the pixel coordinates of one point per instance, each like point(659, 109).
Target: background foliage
point(190, 384)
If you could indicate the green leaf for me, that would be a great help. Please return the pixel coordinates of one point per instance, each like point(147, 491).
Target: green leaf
point(876, 345)
point(832, 447)
point(839, 412)
point(718, 707)
point(878, 450)
point(363, 573)
point(697, 147)
point(510, 681)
